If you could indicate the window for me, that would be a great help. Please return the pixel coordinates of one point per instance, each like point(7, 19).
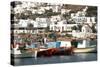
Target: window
point(62, 28)
point(51, 28)
point(56, 23)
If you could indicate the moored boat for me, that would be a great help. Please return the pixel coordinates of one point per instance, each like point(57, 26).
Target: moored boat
point(26, 53)
point(56, 51)
point(85, 50)
point(55, 48)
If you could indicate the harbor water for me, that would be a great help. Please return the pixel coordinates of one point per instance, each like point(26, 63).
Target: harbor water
point(57, 59)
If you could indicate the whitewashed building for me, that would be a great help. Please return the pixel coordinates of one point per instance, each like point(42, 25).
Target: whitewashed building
point(17, 31)
point(41, 11)
point(39, 25)
point(58, 26)
point(28, 4)
point(80, 17)
point(88, 20)
point(86, 31)
point(55, 18)
point(64, 11)
point(24, 23)
point(42, 22)
point(82, 35)
point(48, 7)
point(81, 13)
point(18, 9)
point(61, 26)
point(56, 8)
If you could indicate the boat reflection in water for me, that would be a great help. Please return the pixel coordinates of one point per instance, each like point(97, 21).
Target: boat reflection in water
point(56, 59)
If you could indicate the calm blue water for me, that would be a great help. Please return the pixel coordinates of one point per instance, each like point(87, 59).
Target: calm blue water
point(57, 59)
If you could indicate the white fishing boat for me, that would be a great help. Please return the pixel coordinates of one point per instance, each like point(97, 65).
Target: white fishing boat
point(29, 53)
point(32, 52)
point(84, 46)
point(84, 50)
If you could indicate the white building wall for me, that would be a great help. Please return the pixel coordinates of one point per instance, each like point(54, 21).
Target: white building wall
point(86, 29)
point(42, 22)
point(84, 19)
point(24, 23)
point(55, 18)
point(60, 26)
point(56, 8)
point(81, 34)
point(18, 9)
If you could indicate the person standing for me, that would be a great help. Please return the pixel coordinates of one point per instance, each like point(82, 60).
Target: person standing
point(44, 40)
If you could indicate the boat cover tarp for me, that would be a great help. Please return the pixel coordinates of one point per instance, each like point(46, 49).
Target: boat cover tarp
point(53, 44)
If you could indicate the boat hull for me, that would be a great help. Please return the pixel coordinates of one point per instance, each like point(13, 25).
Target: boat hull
point(85, 50)
point(27, 53)
point(54, 51)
